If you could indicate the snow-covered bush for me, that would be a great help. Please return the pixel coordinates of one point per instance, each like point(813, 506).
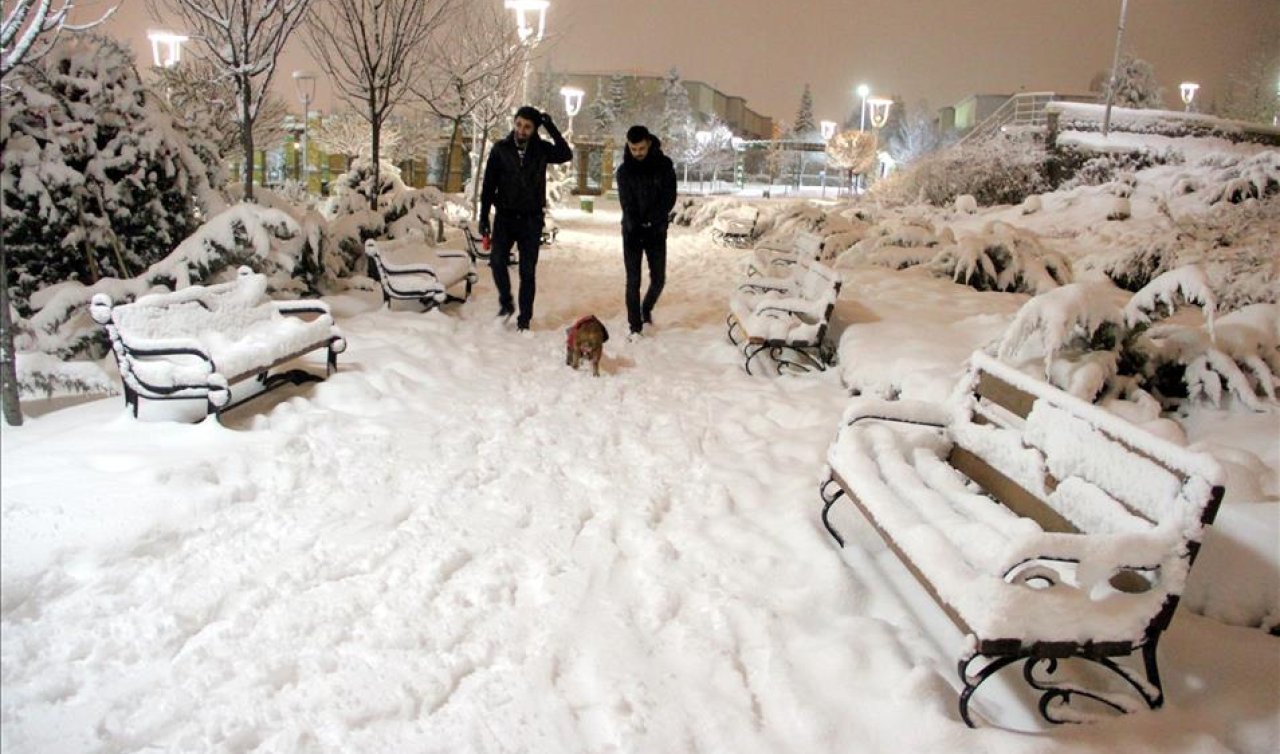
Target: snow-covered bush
point(97, 181)
point(1098, 346)
point(1032, 204)
point(400, 209)
point(1234, 244)
point(1002, 257)
point(967, 204)
point(1120, 209)
point(897, 243)
point(1256, 177)
point(997, 171)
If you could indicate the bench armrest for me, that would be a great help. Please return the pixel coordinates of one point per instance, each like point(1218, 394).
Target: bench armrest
point(1130, 563)
point(906, 411)
point(766, 285)
point(302, 306)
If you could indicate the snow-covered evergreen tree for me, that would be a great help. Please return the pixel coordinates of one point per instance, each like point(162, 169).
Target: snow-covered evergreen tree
point(1136, 85)
point(678, 127)
point(97, 179)
point(601, 111)
point(805, 126)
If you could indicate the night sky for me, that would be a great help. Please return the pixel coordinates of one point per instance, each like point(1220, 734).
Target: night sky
point(937, 50)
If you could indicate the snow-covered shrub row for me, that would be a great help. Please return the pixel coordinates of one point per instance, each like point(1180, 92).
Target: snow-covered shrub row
point(1071, 165)
point(1002, 257)
point(1234, 244)
point(998, 171)
point(1096, 342)
point(97, 181)
point(1078, 116)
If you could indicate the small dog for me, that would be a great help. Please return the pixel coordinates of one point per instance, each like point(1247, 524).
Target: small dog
point(585, 340)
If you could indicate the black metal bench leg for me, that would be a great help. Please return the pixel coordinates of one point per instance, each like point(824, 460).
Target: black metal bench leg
point(829, 499)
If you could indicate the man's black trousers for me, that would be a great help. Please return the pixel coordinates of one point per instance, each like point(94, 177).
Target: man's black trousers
point(525, 233)
point(638, 245)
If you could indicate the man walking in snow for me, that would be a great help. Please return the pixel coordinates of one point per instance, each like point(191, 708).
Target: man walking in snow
point(647, 190)
point(515, 183)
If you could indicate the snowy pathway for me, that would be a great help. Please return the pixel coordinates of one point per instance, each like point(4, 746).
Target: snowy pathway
point(458, 545)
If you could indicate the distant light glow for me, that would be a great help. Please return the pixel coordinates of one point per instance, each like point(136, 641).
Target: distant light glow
point(525, 27)
point(166, 47)
point(1188, 91)
point(879, 111)
point(572, 99)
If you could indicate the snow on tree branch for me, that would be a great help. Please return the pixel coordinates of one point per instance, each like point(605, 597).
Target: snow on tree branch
point(31, 28)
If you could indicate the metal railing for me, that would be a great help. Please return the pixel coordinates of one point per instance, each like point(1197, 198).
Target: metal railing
point(1023, 111)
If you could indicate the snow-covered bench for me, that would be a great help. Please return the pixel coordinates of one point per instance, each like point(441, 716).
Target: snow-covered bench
point(1044, 527)
point(409, 269)
point(774, 259)
point(786, 318)
point(735, 226)
point(198, 342)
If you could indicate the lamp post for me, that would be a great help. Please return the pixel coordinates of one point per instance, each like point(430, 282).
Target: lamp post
point(863, 91)
point(828, 130)
point(305, 83)
point(572, 102)
point(166, 47)
point(1188, 91)
point(530, 34)
point(880, 108)
point(1115, 64)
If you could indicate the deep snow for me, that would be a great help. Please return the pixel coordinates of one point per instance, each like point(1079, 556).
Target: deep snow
point(457, 544)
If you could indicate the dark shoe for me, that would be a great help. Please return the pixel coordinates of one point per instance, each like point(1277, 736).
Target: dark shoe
point(506, 310)
point(522, 325)
point(647, 317)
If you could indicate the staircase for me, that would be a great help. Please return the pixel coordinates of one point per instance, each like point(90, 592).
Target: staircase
point(1023, 112)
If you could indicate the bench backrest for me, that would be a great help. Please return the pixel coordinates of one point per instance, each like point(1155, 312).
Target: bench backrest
point(816, 280)
point(224, 307)
point(807, 245)
point(1075, 468)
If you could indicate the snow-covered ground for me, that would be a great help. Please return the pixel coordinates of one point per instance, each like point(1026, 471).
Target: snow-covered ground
point(456, 544)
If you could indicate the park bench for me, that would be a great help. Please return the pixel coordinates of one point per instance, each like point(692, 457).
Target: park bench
point(735, 227)
point(786, 318)
point(1045, 528)
point(411, 270)
point(777, 259)
point(201, 342)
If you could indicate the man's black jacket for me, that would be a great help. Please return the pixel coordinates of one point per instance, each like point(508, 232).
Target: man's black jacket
point(521, 189)
point(646, 189)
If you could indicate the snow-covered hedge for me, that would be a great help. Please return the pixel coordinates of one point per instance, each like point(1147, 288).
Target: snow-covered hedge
point(1002, 257)
point(998, 171)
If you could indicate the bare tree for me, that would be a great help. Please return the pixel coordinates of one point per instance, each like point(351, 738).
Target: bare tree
point(243, 39)
point(206, 102)
point(369, 49)
point(344, 133)
point(29, 30)
point(478, 63)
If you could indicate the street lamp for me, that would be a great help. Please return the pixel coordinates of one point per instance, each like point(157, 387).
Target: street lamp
point(879, 111)
point(828, 130)
point(863, 90)
point(305, 83)
point(530, 35)
point(572, 102)
point(1188, 91)
point(880, 108)
point(171, 44)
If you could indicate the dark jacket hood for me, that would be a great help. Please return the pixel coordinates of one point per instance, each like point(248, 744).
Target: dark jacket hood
point(655, 154)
